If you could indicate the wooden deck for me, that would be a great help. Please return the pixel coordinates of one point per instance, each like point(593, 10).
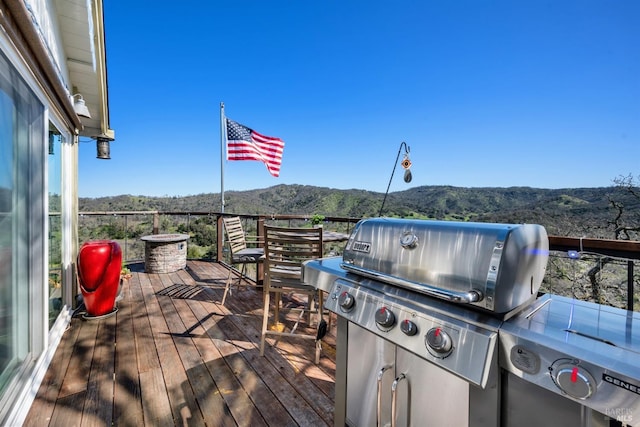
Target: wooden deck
point(172, 355)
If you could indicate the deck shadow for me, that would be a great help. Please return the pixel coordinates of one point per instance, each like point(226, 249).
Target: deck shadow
point(191, 292)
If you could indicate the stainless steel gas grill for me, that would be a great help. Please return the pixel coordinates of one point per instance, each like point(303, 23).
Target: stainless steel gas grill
point(434, 328)
point(497, 267)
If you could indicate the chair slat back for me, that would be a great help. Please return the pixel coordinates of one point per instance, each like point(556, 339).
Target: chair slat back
point(235, 233)
point(285, 251)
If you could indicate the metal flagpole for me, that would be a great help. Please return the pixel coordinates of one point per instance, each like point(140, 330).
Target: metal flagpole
point(223, 143)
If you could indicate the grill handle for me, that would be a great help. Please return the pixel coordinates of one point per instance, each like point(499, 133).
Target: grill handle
point(394, 399)
point(379, 394)
point(467, 297)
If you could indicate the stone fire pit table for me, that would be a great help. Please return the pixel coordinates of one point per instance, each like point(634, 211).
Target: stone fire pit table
point(165, 253)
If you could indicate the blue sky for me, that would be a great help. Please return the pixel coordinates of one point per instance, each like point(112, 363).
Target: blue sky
point(543, 94)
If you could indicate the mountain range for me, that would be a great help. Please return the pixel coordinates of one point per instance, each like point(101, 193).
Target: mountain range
point(564, 212)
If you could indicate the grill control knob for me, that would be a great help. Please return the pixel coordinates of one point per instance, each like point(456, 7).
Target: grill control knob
point(439, 342)
point(385, 318)
point(574, 380)
point(346, 301)
point(408, 327)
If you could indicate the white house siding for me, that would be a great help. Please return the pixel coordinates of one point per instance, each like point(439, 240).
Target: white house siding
point(46, 23)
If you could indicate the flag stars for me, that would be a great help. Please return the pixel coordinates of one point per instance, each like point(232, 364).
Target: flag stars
point(237, 131)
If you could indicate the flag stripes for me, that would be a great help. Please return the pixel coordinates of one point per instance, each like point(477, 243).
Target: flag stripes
point(244, 143)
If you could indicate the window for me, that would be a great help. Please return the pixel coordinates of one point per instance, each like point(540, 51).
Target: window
point(54, 182)
point(21, 221)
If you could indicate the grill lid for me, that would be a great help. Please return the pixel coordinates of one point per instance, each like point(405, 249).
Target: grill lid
point(496, 267)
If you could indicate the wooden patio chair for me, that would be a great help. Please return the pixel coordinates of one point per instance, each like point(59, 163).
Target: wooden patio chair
point(285, 251)
point(241, 253)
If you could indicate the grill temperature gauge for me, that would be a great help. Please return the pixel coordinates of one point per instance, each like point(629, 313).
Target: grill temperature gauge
point(409, 240)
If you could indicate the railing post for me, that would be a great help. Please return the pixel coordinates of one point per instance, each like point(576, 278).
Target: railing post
point(260, 238)
point(156, 222)
point(126, 237)
point(219, 238)
point(630, 286)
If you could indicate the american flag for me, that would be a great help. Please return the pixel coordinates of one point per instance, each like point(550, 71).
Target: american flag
point(246, 144)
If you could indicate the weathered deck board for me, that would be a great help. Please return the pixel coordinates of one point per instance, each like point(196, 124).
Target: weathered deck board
point(98, 409)
point(286, 381)
point(49, 391)
point(294, 381)
point(173, 355)
point(79, 368)
point(181, 398)
point(127, 404)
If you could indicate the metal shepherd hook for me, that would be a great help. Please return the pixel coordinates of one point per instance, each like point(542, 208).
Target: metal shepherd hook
point(406, 164)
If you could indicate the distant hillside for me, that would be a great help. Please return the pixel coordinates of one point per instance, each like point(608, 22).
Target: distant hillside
point(571, 212)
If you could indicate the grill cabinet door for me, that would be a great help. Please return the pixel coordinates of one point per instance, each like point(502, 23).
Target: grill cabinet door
point(428, 395)
point(367, 354)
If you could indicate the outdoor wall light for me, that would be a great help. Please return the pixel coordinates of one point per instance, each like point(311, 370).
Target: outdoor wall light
point(102, 145)
point(80, 107)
